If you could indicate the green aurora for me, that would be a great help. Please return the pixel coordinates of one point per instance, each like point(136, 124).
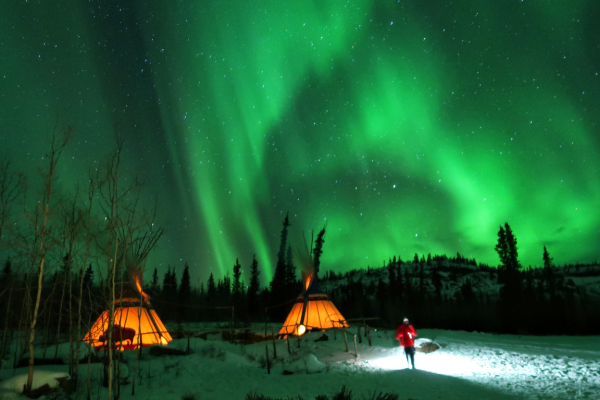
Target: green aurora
point(406, 126)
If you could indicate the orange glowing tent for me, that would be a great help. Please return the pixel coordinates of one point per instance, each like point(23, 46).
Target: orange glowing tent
point(313, 311)
point(135, 322)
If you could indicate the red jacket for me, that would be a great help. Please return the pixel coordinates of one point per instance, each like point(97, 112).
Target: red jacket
point(405, 334)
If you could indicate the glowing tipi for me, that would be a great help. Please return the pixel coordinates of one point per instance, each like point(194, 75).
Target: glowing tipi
point(135, 322)
point(313, 311)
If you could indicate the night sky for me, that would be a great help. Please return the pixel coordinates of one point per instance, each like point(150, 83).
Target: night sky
point(407, 126)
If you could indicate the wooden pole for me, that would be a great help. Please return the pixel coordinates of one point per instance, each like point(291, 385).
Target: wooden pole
point(268, 364)
point(274, 347)
point(368, 333)
point(287, 339)
point(358, 331)
point(355, 348)
point(346, 340)
point(298, 341)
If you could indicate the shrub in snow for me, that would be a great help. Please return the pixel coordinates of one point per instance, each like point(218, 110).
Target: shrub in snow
point(257, 396)
point(212, 352)
point(158, 351)
point(308, 364)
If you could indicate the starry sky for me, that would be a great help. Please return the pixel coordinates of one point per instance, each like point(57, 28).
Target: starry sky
point(406, 126)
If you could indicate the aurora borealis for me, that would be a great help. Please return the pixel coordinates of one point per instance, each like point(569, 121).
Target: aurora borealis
point(406, 126)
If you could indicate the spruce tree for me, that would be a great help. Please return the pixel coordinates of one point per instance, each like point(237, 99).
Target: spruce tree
point(167, 281)
point(278, 286)
point(502, 249)
point(436, 280)
point(290, 271)
point(88, 278)
point(7, 270)
point(549, 276)
point(392, 278)
point(211, 290)
point(237, 284)
point(511, 293)
point(318, 251)
point(185, 290)
point(253, 288)
point(154, 285)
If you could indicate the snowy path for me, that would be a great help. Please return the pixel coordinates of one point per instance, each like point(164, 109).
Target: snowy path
point(532, 367)
point(470, 366)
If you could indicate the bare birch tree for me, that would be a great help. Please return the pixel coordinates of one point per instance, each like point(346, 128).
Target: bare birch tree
point(58, 144)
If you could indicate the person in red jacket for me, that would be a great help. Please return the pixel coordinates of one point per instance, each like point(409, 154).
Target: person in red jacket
point(405, 333)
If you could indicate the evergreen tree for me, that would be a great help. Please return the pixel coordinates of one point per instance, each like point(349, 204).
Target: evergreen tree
point(549, 276)
point(513, 254)
point(7, 270)
point(167, 280)
point(392, 277)
point(318, 251)
point(211, 290)
point(547, 259)
point(408, 284)
point(511, 293)
point(422, 282)
point(154, 284)
point(416, 259)
point(290, 271)
point(467, 291)
point(436, 280)
point(185, 290)
point(278, 284)
point(237, 284)
point(399, 282)
point(253, 288)
point(502, 250)
point(429, 259)
point(88, 277)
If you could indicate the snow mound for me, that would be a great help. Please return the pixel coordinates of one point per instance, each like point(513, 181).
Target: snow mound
point(40, 378)
point(308, 364)
point(61, 351)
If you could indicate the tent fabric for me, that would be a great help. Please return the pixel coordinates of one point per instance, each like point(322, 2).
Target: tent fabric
point(138, 325)
point(320, 314)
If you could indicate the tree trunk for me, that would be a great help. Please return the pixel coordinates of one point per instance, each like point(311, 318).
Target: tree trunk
point(62, 296)
point(5, 325)
point(48, 320)
point(33, 322)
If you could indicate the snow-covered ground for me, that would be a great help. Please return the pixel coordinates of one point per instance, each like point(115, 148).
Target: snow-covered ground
point(468, 366)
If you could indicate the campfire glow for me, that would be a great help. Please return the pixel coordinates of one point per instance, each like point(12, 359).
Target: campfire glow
point(139, 288)
point(308, 280)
